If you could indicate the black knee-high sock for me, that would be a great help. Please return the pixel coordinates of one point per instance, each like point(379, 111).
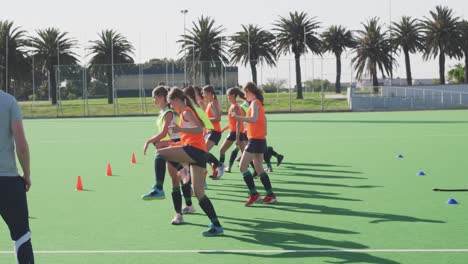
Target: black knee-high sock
point(209, 210)
point(222, 157)
point(159, 171)
point(177, 199)
point(25, 253)
point(266, 182)
point(187, 191)
point(267, 158)
point(248, 178)
point(233, 157)
point(272, 151)
point(211, 159)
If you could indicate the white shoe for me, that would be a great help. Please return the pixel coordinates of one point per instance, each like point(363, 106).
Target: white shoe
point(188, 210)
point(178, 219)
point(220, 170)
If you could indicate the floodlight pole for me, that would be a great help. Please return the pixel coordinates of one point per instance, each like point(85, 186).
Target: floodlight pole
point(6, 63)
point(184, 12)
point(390, 28)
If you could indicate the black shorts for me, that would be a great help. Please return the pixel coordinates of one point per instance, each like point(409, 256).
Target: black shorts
point(214, 136)
point(172, 139)
point(232, 136)
point(256, 146)
point(14, 206)
point(198, 155)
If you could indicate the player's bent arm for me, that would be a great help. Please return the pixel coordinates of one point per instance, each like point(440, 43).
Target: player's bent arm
point(198, 129)
point(22, 148)
point(251, 119)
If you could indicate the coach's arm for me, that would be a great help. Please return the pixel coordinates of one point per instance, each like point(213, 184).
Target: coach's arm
point(22, 150)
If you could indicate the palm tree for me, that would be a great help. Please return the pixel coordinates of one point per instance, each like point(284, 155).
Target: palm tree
point(373, 52)
point(204, 44)
point(111, 48)
point(251, 46)
point(406, 35)
point(295, 34)
point(12, 42)
point(50, 47)
point(440, 34)
point(336, 39)
point(463, 28)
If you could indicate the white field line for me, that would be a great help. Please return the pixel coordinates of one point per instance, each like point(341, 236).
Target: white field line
point(245, 251)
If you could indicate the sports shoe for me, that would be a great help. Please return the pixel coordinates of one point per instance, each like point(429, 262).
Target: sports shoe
point(215, 172)
point(271, 198)
point(269, 169)
point(188, 209)
point(154, 194)
point(252, 199)
point(178, 219)
point(227, 169)
point(279, 159)
point(213, 231)
point(220, 171)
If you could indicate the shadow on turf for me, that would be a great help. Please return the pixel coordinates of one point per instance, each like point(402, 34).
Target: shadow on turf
point(313, 164)
point(267, 232)
point(281, 181)
point(308, 208)
point(282, 192)
point(371, 121)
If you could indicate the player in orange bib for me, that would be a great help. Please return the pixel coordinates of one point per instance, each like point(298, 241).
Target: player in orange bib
point(213, 136)
point(192, 151)
point(236, 127)
point(256, 146)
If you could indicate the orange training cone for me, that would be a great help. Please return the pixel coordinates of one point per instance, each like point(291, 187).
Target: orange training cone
point(79, 184)
point(109, 170)
point(133, 158)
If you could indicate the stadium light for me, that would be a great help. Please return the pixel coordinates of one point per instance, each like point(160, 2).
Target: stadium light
point(184, 12)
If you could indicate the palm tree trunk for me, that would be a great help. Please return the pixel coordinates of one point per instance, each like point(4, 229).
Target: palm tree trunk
point(110, 91)
point(297, 58)
point(338, 74)
point(206, 72)
point(442, 67)
point(53, 85)
point(409, 79)
point(375, 80)
point(1, 80)
point(253, 68)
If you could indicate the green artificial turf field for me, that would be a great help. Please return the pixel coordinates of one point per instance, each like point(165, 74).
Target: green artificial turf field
point(344, 196)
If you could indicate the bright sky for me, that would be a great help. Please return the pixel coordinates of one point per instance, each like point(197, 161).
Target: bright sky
point(154, 26)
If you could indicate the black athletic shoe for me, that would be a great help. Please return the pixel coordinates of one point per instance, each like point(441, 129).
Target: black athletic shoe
point(279, 160)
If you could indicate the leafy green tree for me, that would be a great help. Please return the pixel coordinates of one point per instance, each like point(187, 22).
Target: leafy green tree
point(48, 47)
point(252, 46)
point(463, 29)
point(13, 43)
point(457, 74)
point(109, 49)
point(337, 39)
point(295, 34)
point(407, 36)
point(204, 48)
point(440, 37)
point(373, 52)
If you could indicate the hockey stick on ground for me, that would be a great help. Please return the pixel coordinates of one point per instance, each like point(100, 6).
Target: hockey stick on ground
point(449, 190)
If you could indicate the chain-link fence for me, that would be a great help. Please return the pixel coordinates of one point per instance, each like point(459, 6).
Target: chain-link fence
point(388, 98)
point(125, 89)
